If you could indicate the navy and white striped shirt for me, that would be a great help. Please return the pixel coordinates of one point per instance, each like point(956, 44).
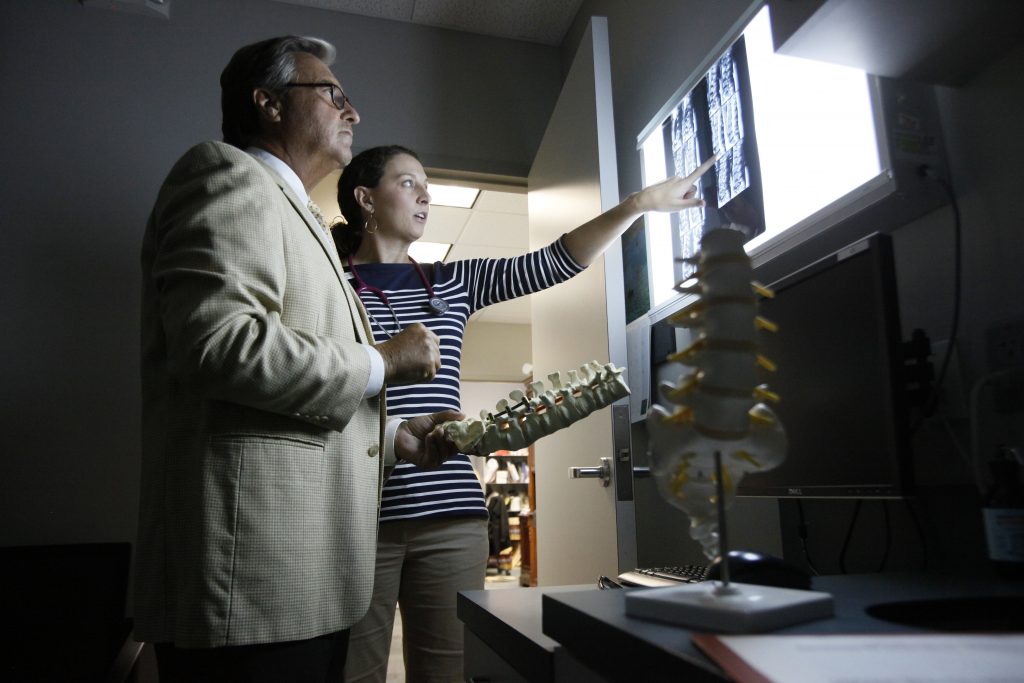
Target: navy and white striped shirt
point(453, 489)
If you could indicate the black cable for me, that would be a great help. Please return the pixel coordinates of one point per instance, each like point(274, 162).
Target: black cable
point(888, 536)
point(954, 324)
point(920, 534)
point(849, 535)
point(802, 532)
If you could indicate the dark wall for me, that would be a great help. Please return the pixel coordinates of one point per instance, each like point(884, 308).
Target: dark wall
point(655, 47)
point(99, 105)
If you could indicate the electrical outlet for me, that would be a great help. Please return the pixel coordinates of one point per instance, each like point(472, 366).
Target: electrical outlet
point(1006, 344)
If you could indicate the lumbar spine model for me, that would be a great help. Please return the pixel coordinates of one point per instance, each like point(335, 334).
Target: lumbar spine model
point(717, 433)
point(717, 404)
point(518, 422)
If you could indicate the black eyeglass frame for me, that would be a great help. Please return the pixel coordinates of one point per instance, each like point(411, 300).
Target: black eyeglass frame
point(345, 99)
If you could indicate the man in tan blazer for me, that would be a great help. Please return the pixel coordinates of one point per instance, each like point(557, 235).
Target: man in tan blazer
point(263, 437)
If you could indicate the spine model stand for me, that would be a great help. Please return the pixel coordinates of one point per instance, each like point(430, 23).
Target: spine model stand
point(717, 404)
point(520, 420)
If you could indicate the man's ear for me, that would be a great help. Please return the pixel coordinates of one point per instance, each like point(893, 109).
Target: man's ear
point(363, 198)
point(267, 104)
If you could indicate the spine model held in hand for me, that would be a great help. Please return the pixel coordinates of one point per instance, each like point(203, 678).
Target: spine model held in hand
point(520, 420)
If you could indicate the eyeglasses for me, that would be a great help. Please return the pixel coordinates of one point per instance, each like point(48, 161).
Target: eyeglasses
point(339, 99)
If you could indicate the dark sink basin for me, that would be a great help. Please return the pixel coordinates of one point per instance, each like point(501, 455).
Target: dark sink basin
point(977, 615)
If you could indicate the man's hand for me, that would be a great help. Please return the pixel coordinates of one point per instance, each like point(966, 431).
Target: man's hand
point(421, 441)
point(411, 356)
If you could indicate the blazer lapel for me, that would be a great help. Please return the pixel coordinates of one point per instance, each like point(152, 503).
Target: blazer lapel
point(362, 328)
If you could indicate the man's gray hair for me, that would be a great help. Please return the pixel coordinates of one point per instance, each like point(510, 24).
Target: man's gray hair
point(268, 64)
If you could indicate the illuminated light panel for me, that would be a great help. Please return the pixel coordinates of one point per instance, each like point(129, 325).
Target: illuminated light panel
point(428, 252)
point(453, 195)
point(815, 129)
point(659, 233)
point(815, 138)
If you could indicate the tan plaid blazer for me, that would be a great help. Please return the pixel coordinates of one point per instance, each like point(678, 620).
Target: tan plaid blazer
point(261, 471)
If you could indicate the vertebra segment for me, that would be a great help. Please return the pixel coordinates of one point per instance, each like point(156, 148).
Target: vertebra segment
point(716, 408)
point(517, 424)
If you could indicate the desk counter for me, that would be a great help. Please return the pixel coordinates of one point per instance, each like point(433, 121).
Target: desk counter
point(536, 628)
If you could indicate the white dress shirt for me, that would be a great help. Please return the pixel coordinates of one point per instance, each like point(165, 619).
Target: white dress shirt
point(376, 381)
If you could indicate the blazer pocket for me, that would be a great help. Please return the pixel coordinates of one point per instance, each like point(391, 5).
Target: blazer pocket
point(267, 512)
point(262, 475)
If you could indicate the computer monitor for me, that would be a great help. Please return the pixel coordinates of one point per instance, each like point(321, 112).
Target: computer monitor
point(841, 377)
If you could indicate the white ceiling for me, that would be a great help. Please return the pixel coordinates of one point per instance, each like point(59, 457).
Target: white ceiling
point(536, 21)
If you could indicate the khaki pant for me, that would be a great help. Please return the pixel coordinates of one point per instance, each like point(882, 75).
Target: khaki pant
point(421, 565)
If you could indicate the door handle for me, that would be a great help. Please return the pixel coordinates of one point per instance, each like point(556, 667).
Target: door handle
point(604, 472)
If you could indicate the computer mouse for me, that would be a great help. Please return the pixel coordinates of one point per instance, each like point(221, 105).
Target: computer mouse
point(760, 569)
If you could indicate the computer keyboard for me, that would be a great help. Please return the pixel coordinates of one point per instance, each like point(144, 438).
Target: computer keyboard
point(664, 576)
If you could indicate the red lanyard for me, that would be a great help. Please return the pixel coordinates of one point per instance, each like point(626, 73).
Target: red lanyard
point(436, 304)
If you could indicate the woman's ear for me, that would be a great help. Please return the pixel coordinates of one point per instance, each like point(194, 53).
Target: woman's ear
point(363, 198)
point(267, 105)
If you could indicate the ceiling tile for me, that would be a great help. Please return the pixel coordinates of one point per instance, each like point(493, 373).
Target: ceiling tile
point(536, 21)
point(506, 230)
point(502, 202)
point(446, 223)
point(542, 21)
point(399, 10)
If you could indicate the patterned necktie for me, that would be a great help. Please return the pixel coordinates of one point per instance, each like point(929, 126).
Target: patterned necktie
point(315, 210)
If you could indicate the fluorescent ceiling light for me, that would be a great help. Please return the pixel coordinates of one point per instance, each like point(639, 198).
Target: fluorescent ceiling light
point(453, 195)
point(428, 252)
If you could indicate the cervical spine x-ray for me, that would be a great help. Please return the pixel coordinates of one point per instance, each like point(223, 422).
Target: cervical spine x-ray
point(686, 154)
point(727, 129)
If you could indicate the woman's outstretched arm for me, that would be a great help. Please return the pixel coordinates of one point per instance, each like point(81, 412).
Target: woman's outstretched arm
point(590, 240)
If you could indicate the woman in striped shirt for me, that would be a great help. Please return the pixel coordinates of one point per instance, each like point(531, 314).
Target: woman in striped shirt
point(432, 537)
